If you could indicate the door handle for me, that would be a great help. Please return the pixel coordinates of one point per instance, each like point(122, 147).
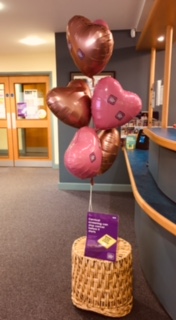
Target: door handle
point(9, 126)
point(13, 120)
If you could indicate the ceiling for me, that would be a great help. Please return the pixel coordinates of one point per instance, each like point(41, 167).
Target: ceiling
point(22, 18)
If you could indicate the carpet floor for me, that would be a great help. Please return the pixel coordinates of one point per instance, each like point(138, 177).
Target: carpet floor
point(38, 224)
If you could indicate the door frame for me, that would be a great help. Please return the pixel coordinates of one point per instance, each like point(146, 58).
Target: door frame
point(40, 73)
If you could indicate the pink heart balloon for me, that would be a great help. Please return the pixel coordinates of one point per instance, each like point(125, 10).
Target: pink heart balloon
point(112, 106)
point(83, 156)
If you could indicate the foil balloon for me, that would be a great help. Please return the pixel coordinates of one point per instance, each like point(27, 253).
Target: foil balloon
point(110, 145)
point(82, 84)
point(90, 44)
point(83, 156)
point(112, 106)
point(71, 104)
point(101, 22)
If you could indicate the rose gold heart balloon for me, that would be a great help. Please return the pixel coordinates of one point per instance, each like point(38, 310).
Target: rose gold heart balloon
point(90, 44)
point(110, 145)
point(79, 83)
point(71, 104)
point(101, 22)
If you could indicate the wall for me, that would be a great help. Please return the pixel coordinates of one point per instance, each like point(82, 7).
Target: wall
point(132, 71)
point(29, 63)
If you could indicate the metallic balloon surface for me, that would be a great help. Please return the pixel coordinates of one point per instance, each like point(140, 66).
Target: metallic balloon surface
point(90, 44)
point(110, 145)
point(83, 157)
point(82, 84)
point(101, 22)
point(112, 106)
point(71, 104)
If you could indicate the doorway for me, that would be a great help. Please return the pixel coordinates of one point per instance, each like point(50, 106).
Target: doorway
point(25, 122)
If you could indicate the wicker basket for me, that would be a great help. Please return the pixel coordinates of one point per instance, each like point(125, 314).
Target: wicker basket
point(102, 286)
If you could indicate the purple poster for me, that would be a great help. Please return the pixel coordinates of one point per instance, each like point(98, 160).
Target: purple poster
point(102, 234)
point(22, 109)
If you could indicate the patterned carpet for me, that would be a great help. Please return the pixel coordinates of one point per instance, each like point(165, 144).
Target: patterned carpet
point(38, 224)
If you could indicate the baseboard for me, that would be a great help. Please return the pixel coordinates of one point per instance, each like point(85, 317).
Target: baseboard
point(97, 187)
point(55, 166)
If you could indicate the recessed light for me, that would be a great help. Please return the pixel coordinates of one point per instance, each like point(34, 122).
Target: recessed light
point(161, 38)
point(32, 41)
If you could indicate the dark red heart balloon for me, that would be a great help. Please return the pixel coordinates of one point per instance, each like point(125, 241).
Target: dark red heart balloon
point(90, 43)
point(110, 146)
point(81, 84)
point(71, 104)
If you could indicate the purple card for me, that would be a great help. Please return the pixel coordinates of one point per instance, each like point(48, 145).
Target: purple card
point(22, 109)
point(102, 234)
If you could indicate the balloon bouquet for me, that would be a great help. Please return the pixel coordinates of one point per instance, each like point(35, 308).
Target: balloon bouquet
point(92, 150)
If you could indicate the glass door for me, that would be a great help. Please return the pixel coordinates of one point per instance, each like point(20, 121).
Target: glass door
point(25, 121)
point(6, 142)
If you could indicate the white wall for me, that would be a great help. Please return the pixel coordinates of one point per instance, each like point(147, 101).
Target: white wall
point(34, 62)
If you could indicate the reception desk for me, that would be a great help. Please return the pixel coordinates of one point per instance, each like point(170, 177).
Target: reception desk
point(152, 177)
point(162, 159)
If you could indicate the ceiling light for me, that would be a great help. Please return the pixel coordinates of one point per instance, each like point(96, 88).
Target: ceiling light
point(161, 38)
point(32, 41)
point(1, 6)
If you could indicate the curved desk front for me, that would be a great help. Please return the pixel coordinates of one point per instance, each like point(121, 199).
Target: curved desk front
point(155, 228)
point(162, 159)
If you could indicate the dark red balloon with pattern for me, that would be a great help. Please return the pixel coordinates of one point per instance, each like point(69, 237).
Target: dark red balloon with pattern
point(90, 43)
point(110, 146)
point(71, 104)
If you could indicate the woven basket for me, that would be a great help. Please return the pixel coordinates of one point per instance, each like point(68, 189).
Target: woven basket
point(102, 286)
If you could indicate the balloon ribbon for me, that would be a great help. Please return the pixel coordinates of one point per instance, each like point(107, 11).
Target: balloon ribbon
point(90, 197)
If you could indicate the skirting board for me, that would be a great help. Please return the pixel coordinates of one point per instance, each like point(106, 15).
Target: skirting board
point(97, 187)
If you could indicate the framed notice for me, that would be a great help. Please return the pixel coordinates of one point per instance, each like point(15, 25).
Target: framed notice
point(91, 82)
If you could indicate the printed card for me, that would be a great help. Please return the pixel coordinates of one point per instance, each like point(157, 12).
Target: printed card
point(102, 235)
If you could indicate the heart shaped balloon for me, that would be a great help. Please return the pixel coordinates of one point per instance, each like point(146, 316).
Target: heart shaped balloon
point(83, 156)
point(101, 22)
point(82, 84)
point(110, 145)
point(90, 44)
point(112, 106)
point(71, 104)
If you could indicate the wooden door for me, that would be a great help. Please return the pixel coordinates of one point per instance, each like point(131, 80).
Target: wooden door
point(25, 121)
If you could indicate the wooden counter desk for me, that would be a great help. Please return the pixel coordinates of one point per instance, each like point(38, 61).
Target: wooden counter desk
point(156, 237)
point(163, 137)
point(162, 159)
point(155, 229)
